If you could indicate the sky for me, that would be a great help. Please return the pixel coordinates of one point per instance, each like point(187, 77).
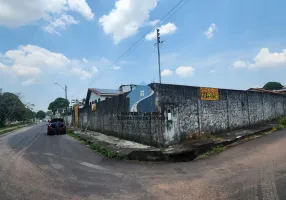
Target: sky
point(224, 44)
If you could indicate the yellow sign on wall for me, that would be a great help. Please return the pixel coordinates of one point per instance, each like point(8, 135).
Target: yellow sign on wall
point(93, 107)
point(209, 94)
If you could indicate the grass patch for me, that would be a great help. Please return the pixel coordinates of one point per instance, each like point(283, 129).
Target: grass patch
point(96, 147)
point(215, 150)
point(283, 121)
point(10, 129)
point(278, 127)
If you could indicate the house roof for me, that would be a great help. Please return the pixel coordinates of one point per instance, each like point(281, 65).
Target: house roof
point(262, 90)
point(101, 92)
point(105, 91)
point(128, 85)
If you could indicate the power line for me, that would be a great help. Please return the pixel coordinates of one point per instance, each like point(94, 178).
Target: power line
point(180, 4)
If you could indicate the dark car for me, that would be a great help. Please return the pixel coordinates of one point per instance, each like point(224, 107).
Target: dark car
point(52, 127)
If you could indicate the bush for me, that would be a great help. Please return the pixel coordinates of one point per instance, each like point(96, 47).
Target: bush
point(280, 127)
point(283, 121)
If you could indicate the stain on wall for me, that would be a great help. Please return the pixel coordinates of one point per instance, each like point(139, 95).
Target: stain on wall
point(234, 109)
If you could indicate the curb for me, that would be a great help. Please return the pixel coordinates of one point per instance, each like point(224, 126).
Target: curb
point(181, 155)
point(187, 154)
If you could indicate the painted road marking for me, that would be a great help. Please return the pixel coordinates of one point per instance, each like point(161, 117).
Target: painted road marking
point(93, 166)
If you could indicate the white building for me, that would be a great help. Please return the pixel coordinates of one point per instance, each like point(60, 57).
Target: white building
point(95, 95)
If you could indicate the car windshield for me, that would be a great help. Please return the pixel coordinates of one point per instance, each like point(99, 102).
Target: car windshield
point(57, 120)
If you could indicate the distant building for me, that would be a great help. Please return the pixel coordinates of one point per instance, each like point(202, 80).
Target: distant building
point(95, 95)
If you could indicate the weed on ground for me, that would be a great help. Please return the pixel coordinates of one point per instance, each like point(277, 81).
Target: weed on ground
point(96, 147)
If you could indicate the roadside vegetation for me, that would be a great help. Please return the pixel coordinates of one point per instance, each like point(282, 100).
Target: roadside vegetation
point(96, 147)
point(281, 125)
point(218, 149)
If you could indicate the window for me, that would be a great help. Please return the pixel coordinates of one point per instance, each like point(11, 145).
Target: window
point(142, 93)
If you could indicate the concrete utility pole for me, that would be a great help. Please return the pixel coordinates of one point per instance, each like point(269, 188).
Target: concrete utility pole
point(66, 92)
point(158, 47)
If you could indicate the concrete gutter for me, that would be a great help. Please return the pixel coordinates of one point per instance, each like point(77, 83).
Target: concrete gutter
point(184, 152)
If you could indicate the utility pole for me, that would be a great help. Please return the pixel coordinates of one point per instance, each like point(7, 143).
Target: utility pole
point(66, 92)
point(158, 47)
point(65, 89)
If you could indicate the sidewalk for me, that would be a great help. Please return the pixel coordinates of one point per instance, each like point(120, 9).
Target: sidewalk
point(183, 152)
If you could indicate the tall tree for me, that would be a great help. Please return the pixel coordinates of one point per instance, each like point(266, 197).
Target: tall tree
point(41, 114)
point(273, 86)
point(11, 108)
point(59, 103)
point(29, 114)
point(49, 114)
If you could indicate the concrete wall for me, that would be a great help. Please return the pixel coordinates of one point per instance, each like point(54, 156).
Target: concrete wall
point(234, 109)
point(181, 113)
point(112, 117)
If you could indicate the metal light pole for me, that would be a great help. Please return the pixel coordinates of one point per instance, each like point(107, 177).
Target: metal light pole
point(65, 89)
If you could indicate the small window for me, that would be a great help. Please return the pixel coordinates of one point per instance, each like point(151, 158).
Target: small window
point(142, 93)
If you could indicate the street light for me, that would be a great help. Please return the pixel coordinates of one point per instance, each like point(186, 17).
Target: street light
point(65, 89)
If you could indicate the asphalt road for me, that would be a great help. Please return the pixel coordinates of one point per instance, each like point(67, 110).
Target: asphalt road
point(35, 166)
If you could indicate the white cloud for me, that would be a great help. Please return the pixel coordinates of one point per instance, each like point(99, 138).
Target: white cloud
point(94, 70)
point(153, 23)
point(81, 7)
point(167, 29)
point(63, 22)
point(126, 18)
point(210, 32)
point(239, 64)
point(32, 63)
point(83, 74)
point(264, 59)
point(116, 67)
point(38, 57)
point(28, 82)
point(185, 71)
point(15, 13)
point(167, 72)
point(84, 60)
point(267, 59)
point(25, 71)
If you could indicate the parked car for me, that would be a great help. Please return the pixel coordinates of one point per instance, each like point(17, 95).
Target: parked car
point(52, 126)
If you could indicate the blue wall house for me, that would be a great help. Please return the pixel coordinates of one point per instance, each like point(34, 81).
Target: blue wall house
point(142, 99)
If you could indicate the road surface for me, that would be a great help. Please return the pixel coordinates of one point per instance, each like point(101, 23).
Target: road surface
point(36, 166)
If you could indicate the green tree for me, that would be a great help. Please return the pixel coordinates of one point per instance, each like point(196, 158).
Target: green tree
point(59, 103)
point(49, 114)
point(29, 114)
point(11, 108)
point(41, 114)
point(273, 86)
